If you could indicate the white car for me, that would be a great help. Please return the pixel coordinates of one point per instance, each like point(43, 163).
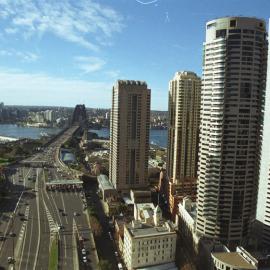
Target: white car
point(120, 266)
point(10, 259)
point(60, 227)
point(83, 251)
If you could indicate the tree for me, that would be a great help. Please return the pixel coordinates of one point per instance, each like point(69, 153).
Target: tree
point(105, 265)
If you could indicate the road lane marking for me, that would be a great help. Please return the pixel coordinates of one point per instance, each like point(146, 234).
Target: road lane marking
point(8, 225)
point(64, 206)
point(22, 231)
point(21, 258)
point(38, 211)
point(26, 175)
point(56, 213)
point(29, 247)
point(63, 236)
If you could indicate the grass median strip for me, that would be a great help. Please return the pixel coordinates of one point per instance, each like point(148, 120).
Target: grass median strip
point(53, 260)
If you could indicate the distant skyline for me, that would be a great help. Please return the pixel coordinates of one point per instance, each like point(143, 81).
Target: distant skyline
point(66, 52)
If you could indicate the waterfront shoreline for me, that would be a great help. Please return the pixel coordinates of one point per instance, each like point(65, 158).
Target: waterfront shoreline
point(158, 137)
point(26, 132)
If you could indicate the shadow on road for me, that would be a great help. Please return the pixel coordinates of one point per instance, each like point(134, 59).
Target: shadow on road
point(105, 246)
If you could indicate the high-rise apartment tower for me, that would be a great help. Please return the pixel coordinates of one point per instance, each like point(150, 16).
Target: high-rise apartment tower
point(183, 136)
point(263, 207)
point(129, 135)
point(232, 103)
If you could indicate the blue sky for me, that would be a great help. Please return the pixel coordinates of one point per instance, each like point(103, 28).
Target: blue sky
point(66, 52)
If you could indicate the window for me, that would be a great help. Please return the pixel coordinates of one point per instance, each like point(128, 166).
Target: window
point(221, 33)
point(245, 90)
point(235, 31)
point(232, 23)
point(248, 31)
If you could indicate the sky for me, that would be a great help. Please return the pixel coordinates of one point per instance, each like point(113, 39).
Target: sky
point(68, 52)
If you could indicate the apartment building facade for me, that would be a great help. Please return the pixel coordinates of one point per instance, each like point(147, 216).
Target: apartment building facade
point(129, 135)
point(232, 103)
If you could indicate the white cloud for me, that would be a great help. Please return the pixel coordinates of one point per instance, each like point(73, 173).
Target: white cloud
point(5, 53)
point(114, 74)
point(89, 64)
point(18, 87)
point(24, 56)
point(146, 2)
point(77, 21)
point(27, 56)
point(10, 30)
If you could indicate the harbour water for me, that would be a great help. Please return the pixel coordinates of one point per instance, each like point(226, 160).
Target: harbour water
point(158, 137)
point(15, 131)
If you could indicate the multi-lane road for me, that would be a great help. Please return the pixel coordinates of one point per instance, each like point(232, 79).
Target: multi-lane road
point(35, 216)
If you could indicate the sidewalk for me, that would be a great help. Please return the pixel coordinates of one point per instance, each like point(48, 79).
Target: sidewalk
point(94, 260)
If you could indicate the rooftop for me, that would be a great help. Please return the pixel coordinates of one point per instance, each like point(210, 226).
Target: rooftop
point(234, 259)
point(131, 82)
point(104, 182)
point(166, 266)
point(145, 206)
point(64, 182)
point(127, 200)
point(185, 74)
point(142, 230)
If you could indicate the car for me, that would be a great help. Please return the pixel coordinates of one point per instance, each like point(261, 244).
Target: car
point(84, 259)
point(64, 214)
point(120, 266)
point(2, 238)
point(83, 251)
point(60, 227)
point(10, 259)
point(20, 214)
point(60, 210)
point(23, 219)
point(76, 214)
point(12, 234)
point(116, 253)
